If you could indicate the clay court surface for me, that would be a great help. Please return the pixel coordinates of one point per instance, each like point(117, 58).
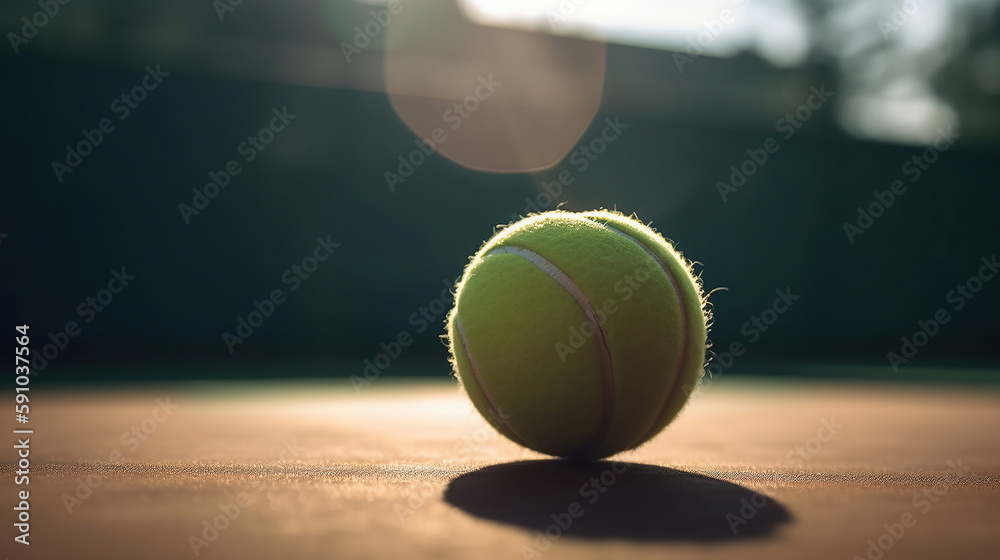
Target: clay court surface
point(753, 468)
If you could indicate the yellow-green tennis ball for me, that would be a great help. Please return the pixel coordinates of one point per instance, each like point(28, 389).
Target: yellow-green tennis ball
point(578, 334)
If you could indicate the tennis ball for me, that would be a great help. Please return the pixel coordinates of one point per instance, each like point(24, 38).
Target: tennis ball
point(578, 334)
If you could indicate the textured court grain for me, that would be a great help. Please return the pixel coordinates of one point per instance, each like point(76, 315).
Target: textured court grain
point(412, 471)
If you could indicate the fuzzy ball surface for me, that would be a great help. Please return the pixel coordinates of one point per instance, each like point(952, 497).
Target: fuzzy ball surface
point(578, 334)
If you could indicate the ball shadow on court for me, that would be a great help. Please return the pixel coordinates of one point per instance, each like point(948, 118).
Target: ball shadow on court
point(613, 500)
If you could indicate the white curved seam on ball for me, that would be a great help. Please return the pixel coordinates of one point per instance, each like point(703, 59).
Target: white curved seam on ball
point(479, 380)
point(684, 331)
point(607, 375)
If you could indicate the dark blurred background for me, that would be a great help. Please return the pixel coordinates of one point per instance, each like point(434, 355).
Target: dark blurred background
point(699, 91)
